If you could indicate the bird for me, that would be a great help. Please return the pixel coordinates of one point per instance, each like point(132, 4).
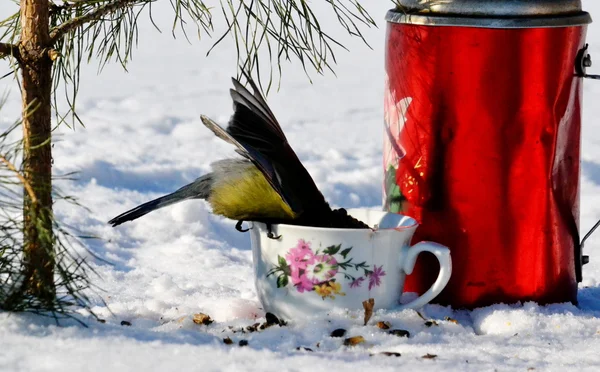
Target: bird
point(267, 183)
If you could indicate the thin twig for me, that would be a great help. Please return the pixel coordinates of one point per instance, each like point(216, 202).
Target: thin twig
point(66, 5)
point(59, 31)
point(26, 184)
point(7, 50)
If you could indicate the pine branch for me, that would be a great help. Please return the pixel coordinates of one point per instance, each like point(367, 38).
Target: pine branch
point(22, 179)
point(65, 6)
point(59, 31)
point(7, 50)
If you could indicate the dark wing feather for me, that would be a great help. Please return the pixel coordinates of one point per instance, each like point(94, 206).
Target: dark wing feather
point(240, 94)
point(248, 127)
point(254, 125)
point(257, 104)
point(261, 100)
point(257, 158)
point(220, 132)
point(254, 130)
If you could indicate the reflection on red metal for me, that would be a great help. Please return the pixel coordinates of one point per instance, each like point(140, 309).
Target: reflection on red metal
point(483, 148)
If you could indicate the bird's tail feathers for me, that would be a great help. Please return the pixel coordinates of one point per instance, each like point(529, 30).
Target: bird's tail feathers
point(199, 189)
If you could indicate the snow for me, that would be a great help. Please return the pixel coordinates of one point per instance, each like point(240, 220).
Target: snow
point(143, 138)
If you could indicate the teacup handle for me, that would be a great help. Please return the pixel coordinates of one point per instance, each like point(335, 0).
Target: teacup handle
point(442, 253)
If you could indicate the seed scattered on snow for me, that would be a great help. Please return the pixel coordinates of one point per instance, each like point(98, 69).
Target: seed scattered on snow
point(384, 325)
point(368, 305)
point(430, 323)
point(253, 327)
point(201, 318)
point(353, 341)
point(272, 319)
point(451, 320)
point(387, 353)
point(399, 332)
point(340, 332)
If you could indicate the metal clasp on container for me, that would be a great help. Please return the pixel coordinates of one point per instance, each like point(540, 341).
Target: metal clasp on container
point(580, 258)
point(582, 62)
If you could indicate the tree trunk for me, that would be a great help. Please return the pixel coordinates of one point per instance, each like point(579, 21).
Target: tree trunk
point(36, 67)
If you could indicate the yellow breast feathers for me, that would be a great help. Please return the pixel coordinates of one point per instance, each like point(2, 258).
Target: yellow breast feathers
point(248, 196)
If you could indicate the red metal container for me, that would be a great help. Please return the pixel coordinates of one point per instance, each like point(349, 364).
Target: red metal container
point(482, 144)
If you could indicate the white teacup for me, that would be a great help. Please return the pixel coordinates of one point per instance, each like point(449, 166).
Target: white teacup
point(310, 270)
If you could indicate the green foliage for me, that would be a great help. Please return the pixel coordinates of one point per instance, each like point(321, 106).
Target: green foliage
point(332, 249)
point(72, 283)
point(264, 31)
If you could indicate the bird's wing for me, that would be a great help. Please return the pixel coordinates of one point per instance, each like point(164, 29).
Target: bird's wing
point(253, 121)
point(257, 158)
point(256, 101)
point(219, 132)
point(253, 124)
point(254, 130)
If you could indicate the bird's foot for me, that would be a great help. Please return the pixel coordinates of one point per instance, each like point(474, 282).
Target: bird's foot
point(238, 226)
point(270, 234)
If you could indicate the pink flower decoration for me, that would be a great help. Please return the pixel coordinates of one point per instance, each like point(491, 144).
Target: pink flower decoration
point(298, 258)
point(357, 282)
point(375, 276)
point(303, 284)
point(303, 245)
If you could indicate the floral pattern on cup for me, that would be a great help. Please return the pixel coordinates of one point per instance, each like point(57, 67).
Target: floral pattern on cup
point(316, 271)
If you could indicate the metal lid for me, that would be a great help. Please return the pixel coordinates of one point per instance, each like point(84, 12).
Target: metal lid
point(490, 13)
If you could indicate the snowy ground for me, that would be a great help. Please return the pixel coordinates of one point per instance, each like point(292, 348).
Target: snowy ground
point(143, 138)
